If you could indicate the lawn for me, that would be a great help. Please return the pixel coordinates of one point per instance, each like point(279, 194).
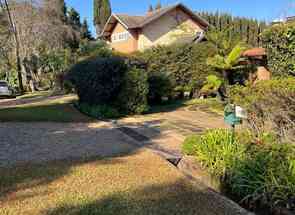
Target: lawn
point(46, 109)
point(141, 183)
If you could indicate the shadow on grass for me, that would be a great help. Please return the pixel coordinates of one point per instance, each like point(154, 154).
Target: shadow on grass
point(43, 113)
point(26, 164)
point(29, 176)
point(179, 197)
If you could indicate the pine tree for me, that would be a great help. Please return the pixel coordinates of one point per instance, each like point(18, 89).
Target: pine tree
point(85, 33)
point(102, 12)
point(159, 5)
point(248, 33)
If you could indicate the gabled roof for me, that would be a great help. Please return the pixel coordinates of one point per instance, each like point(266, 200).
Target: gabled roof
point(133, 22)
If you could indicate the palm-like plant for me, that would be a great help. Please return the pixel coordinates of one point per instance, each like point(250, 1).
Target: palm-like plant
point(229, 63)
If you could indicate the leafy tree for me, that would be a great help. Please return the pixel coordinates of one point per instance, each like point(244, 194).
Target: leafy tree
point(14, 30)
point(102, 12)
point(86, 34)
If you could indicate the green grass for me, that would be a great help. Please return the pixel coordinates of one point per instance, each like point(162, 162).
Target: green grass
point(49, 110)
point(142, 184)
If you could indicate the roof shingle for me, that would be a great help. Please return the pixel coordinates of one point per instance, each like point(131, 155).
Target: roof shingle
point(140, 21)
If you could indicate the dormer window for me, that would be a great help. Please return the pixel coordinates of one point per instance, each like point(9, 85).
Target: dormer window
point(118, 37)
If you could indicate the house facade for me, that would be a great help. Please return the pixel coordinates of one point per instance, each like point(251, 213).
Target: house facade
point(128, 34)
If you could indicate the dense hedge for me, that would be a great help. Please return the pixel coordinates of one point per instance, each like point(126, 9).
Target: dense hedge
point(183, 64)
point(256, 174)
point(280, 43)
point(270, 105)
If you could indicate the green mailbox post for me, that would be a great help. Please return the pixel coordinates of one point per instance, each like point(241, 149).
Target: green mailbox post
point(231, 118)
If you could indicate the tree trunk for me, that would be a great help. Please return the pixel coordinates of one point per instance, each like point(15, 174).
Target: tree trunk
point(17, 47)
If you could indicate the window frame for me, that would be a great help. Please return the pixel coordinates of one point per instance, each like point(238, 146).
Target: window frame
point(122, 36)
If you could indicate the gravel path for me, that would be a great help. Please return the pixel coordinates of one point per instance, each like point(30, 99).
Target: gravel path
point(38, 142)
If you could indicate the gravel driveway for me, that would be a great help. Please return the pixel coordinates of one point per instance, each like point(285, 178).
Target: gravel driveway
point(39, 142)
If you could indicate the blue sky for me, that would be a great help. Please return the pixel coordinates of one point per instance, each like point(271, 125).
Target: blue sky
point(261, 9)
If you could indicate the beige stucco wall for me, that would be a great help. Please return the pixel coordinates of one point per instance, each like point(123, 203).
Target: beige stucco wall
point(126, 46)
point(167, 30)
point(262, 74)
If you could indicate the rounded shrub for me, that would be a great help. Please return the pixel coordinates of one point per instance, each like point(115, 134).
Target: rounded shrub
point(160, 86)
point(98, 81)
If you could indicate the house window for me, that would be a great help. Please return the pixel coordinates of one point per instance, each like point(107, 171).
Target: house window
point(120, 36)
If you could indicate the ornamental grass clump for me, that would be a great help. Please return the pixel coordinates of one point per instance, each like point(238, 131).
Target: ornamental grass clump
point(214, 151)
point(266, 176)
point(257, 175)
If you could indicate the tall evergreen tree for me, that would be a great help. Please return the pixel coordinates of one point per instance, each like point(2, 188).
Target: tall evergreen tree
point(248, 30)
point(102, 12)
point(151, 9)
point(86, 34)
point(158, 5)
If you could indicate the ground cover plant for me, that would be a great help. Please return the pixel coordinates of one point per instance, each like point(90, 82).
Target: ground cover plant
point(255, 174)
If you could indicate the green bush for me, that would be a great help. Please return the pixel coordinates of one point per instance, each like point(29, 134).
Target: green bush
point(255, 174)
point(98, 81)
point(270, 105)
point(110, 83)
point(159, 86)
point(133, 95)
point(184, 64)
point(279, 41)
